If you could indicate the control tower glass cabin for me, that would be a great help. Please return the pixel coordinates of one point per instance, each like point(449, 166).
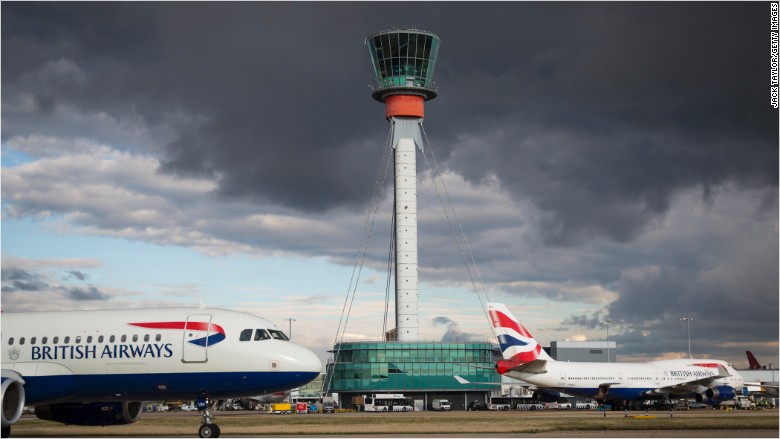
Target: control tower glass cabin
point(403, 61)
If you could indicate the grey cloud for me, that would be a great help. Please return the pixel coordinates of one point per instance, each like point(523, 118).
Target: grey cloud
point(573, 116)
point(594, 118)
point(15, 279)
point(89, 293)
point(76, 274)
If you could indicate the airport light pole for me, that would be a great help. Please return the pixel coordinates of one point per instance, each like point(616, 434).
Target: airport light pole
point(290, 332)
point(607, 322)
point(688, 321)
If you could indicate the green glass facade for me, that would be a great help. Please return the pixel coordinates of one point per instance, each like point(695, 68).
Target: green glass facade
point(404, 59)
point(396, 367)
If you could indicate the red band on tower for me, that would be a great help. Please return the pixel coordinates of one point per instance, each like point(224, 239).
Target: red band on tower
point(404, 105)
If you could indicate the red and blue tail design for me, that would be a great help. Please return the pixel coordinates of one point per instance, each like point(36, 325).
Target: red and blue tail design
point(215, 333)
point(517, 344)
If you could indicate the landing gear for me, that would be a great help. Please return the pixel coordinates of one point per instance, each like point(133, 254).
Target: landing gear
point(207, 429)
point(6, 431)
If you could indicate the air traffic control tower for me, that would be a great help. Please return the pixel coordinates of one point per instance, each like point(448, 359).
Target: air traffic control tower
point(404, 61)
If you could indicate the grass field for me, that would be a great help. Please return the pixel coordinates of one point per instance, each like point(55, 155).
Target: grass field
point(254, 424)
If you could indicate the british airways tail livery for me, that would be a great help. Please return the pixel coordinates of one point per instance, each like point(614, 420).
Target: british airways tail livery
point(97, 367)
point(710, 381)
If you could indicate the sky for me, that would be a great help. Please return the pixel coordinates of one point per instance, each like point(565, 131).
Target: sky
point(605, 161)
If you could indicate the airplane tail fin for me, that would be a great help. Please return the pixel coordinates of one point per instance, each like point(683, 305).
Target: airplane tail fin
point(517, 345)
point(754, 364)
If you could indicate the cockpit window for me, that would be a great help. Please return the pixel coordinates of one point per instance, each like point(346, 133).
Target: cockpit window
point(261, 334)
point(246, 335)
point(279, 335)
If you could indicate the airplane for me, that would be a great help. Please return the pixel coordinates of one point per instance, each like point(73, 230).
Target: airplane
point(97, 367)
point(768, 388)
point(710, 381)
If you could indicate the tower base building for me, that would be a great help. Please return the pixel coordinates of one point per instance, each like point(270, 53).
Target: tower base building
point(421, 370)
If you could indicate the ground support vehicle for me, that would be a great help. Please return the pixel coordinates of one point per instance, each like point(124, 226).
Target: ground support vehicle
point(441, 404)
point(282, 408)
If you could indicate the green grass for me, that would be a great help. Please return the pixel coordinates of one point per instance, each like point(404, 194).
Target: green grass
point(396, 423)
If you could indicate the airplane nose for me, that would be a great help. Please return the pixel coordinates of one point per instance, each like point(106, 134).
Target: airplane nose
point(306, 360)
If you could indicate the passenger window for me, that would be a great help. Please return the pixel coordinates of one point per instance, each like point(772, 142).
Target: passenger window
point(56, 340)
point(261, 334)
point(32, 340)
point(135, 338)
point(89, 339)
point(111, 339)
point(279, 335)
point(44, 340)
point(157, 337)
point(67, 340)
point(146, 337)
point(124, 338)
point(21, 341)
point(10, 341)
point(246, 335)
point(78, 339)
point(100, 339)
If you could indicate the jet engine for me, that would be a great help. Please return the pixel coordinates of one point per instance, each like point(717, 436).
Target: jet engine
point(717, 394)
point(93, 413)
point(545, 395)
point(13, 400)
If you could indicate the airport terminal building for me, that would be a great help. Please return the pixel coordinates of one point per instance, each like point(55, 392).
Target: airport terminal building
point(422, 370)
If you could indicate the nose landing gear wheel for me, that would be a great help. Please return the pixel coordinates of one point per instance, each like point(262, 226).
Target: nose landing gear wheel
point(208, 431)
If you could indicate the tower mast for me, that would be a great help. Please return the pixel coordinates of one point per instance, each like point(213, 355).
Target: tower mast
point(404, 61)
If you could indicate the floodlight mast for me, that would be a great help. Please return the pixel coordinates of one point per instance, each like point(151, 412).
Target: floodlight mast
point(404, 61)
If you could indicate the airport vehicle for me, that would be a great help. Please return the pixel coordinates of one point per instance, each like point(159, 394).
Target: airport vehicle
point(476, 405)
point(388, 402)
point(711, 381)
point(97, 367)
point(283, 408)
point(586, 405)
point(503, 402)
point(530, 405)
point(441, 404)
point(329, 404)
point(740, 402)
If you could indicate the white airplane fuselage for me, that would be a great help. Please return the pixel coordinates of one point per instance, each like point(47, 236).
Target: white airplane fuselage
point(630, 380)
point(524, 359)
point(150, 354)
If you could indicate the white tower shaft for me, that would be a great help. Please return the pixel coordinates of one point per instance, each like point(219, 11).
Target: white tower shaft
point(406, 139)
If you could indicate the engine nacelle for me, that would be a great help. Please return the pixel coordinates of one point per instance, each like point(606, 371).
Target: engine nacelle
point(715, 395)
point(12, 400)
point(545, 395)
point(93, 413)
point(721, 393)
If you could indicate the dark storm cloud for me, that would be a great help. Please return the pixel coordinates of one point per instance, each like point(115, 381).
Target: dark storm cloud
point(598, 113)
point(593, 115)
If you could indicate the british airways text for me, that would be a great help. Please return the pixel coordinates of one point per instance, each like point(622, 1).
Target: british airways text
point(691, 373)
point(84, 352)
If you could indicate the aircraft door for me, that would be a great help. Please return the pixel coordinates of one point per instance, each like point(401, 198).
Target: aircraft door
point(195, 339)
